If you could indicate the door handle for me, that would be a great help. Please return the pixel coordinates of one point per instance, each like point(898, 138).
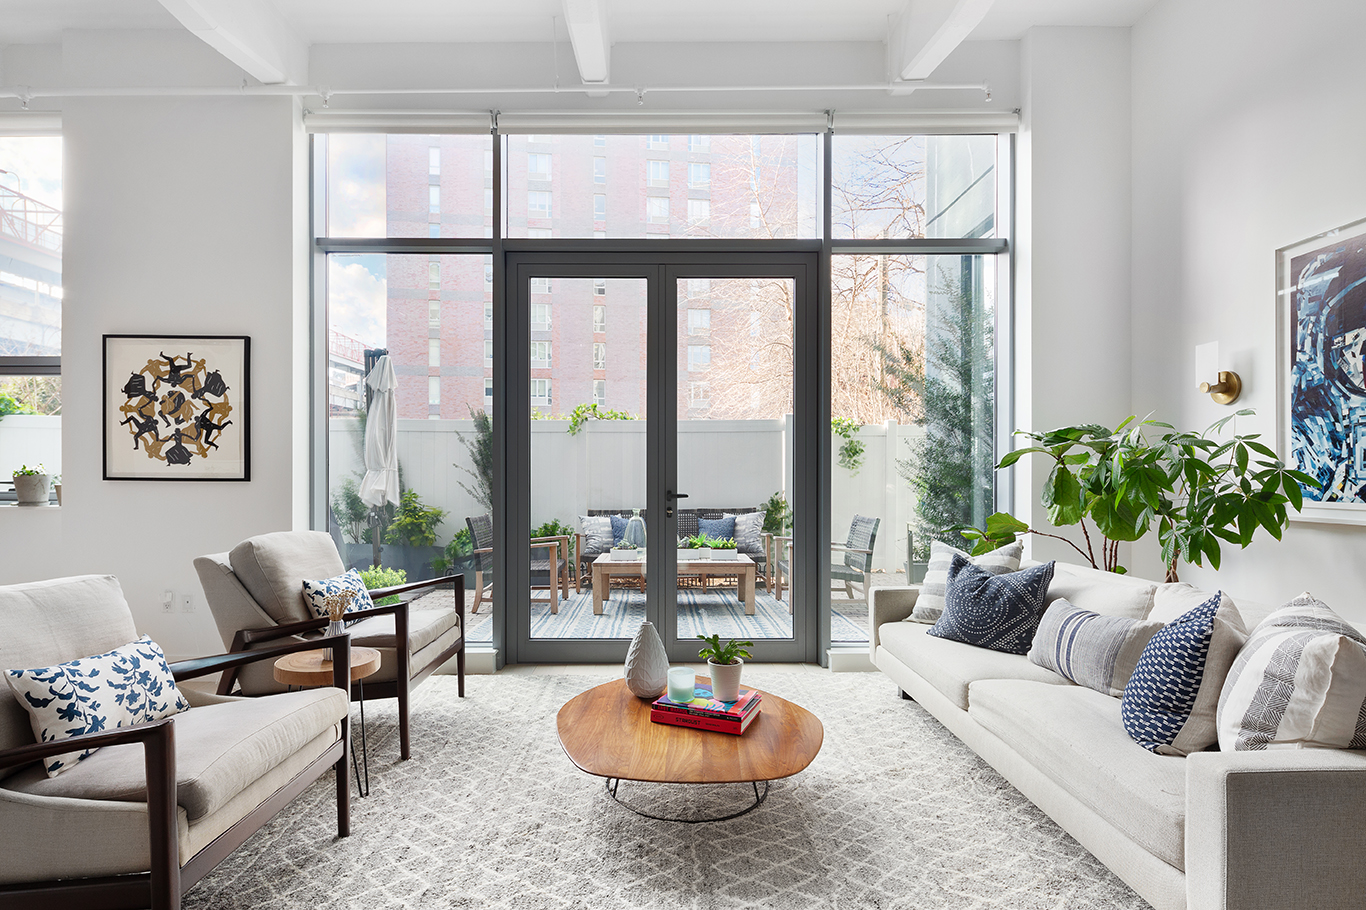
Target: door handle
point(670, 495)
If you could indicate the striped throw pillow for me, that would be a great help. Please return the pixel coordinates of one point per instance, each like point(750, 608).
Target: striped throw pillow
point(1099, 652)
point(929, 604)
point(1298, 683)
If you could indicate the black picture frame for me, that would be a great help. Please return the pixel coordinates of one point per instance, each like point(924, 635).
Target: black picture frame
point(164, 419)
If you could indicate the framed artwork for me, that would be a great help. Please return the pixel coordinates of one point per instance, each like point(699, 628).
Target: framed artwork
point(1321, 303)
point(176, 407)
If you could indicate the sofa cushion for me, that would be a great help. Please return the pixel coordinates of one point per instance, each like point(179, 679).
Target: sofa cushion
point(1100, 592)
point(220, 750)
point(1099, 652)
point(349, 582)
point(1170, 701)
point(597, 534)
point(121, 688)
point(748, 526)
point(952, 666)
point(930, 603)
point(1299, 682)
point(424, 627)
point(272, 567)
point(717, 528)
point(1000, 612)
point(1073, 735)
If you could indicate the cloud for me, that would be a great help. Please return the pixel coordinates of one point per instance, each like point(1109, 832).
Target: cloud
point(357, 298)
point(355, 186)
point(38, 162)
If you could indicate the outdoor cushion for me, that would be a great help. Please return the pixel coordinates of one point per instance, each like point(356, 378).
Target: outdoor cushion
point(717, 528)
point(1073, 735)
point(618, 528)
point(1106, 593)
point(424, 627)
point(1000, 612)
point(952, 666)
point(930, 603)
point(317, 592)
point(272, 567)
point(748, 526)
point(220, 750)
point(1099, 652)
point(597, 534)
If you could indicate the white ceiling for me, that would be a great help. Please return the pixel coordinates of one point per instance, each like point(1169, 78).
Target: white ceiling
point(365, 21)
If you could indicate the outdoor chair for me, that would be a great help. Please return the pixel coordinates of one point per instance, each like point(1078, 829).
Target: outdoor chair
point(255, 593)
point(546, 552)
point(857, 565)
point(139, 822)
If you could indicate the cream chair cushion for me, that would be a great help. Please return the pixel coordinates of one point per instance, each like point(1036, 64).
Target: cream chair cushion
point(272, 567)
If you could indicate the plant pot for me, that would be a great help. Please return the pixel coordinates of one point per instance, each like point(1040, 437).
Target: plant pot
point(725, 679)
point(625, 555)
point(57, 488)
point(701, 554)
point(31, 489)
point(724, 554)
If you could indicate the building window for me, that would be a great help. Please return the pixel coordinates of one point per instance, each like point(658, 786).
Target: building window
point(657, 172)
point(434, 199)
point(434, 275)
point(599, 170)
point(540, 392)
point(537, 139)
point(699, 211)
point(488, 165)
point(433, 352)
point(600, 392)
point(599, 287)
point(699, 143)
point(699, 175)
point(540, 318)
point(658, 142)
point(698, 287)
point(540, 355)
point(434, 162)
point(537, 166)
point(488, 393)
point(488, 317)
point(488, 278)
point(600, 141)
point(433, 314)
point(657, 209)
point(538, 205)
point(599, 235)
point(433, 390)
point(599, 355)
point(488, 352)
point(488, 203)
point(538, 233)
point(599, 207)
point(698, 395)
point(699, 322)
point(540, 285)
point(699, 356)
point(599, 318)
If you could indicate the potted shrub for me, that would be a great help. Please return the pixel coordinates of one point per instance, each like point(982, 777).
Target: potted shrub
point(624, 552)
point(725, 663)
point(699, 546)
point(30, 485)
point(723, 548)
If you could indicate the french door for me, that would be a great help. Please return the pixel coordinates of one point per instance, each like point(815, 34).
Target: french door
point(660, 398)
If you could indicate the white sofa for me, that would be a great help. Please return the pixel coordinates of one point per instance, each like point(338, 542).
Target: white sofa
point(1213, 831)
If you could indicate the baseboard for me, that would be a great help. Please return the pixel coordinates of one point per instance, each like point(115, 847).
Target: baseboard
point(850, 660)
point(479, 661)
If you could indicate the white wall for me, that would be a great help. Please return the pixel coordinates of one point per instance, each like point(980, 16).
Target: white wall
point(1249, 135)
point(180, 218)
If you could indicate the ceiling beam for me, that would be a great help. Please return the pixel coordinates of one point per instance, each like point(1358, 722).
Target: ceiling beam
point(587, 22)
point(250, 33)
point(924, 32)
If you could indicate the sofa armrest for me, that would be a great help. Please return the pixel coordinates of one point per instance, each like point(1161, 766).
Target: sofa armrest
point(1279, 828)
point(888, 605)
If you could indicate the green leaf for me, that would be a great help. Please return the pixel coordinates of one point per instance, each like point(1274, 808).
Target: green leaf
point(1240, 458)
point(1210, 546)
point(1002, 523)
point(1062, 496)
point(1120, 570)
point(1260, 448)
point(1014, 456)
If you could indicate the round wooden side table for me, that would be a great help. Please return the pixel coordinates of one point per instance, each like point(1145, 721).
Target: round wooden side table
point(307, 669)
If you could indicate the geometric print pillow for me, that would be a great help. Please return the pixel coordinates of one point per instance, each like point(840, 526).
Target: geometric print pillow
point(929, 603)
point(316, 593)
point(1298, 683)
point(126, 686)
point(1000, 612)
point(1171, 699)
point(1099, 652)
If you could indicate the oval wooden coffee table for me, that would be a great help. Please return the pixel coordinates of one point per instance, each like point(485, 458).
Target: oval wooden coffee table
point(607, 732)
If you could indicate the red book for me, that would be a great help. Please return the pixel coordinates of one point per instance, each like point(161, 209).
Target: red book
point(698, 722)
point(704, 704)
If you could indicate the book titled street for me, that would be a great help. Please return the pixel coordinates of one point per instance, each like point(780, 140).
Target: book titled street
point(704, 712)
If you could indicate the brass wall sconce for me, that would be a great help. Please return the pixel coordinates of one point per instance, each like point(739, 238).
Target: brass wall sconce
point(1226, 390)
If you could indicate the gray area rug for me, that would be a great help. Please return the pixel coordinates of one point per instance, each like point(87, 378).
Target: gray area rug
point(893, 813)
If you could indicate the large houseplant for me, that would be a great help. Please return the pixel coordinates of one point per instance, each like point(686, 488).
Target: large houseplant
point(1197, 489)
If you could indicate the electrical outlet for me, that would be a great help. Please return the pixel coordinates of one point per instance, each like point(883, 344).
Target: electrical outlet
point(168, 601)
point(187, 603)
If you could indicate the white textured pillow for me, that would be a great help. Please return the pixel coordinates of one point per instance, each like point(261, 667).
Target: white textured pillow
point(129, 685)
point(1298, 683)
point(929, 604)
point(317, 592)
point(747, 528)
point(597, 534)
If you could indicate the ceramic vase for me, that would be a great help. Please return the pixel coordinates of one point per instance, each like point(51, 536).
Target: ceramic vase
point(647, 666)
point(334, 627)
point(635, 530)
point(725, 679)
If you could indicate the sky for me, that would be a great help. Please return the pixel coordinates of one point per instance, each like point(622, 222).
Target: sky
point(357, 298)
point(38, 163)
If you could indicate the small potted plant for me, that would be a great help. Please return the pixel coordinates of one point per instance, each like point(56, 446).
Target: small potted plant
point(723, 548)
point(624, 551)
point(30, 485)
point(725, 662)
point(699, 546)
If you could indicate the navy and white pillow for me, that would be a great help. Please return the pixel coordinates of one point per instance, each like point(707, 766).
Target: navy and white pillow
point(317, 592)
point(597, 534)
point(1170, 702)
point(1000, 612)
point(1298, 683)
point(126, 686)
point(1099, 652)
point(929, 603)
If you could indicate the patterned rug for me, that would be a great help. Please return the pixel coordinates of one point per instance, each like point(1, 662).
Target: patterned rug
point(489, 813)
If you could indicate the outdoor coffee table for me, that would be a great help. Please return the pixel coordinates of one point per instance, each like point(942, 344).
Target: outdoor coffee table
point(605, 568)
point(607, 732)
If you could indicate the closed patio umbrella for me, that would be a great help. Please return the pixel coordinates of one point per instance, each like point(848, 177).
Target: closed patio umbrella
point(380, 484)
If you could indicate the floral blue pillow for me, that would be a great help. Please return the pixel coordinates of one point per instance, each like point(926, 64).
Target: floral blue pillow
point(317, 592)
point(717, 528)
point(129, 685)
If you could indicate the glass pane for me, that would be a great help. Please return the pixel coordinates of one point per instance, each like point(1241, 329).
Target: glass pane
point(912, 397)
point(30, 427)
point(761, 187)
point(427, 313)
point(409, 185)
point(734, 456)
point(897, 187)
point(587, 456)
point(30, 246)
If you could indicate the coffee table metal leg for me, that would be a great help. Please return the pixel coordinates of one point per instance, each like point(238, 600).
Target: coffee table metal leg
point(759, 797)
point(364, 749)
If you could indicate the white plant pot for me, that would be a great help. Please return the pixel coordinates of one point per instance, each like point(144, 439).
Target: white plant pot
point(647, 666)
point(724, 554)
point(725, 679)
point(57, 488)
point(625, 555)
point(31, 489)
point(699, 553)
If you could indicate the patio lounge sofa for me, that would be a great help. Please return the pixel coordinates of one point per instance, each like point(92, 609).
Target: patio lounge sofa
point(687, 525)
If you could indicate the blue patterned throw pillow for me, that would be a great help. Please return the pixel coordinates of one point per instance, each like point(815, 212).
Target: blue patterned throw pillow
point(717, 528)
point(317, 592)
point(1000, 612)
point(126, 686)
point(618, 529)
point(1170, 701)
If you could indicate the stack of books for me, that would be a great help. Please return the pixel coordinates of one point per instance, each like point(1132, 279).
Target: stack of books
point(706, 713)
